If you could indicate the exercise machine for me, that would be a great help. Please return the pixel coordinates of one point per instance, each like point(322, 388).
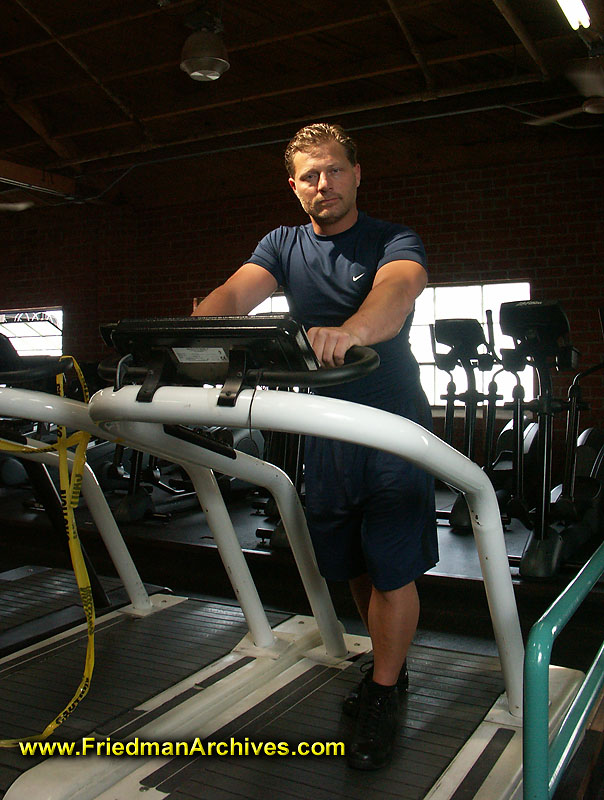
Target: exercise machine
point(470, 350)
point(578, 500)
point(465, 337)
point(157, 405)
point(37, 371)
point(541, 333)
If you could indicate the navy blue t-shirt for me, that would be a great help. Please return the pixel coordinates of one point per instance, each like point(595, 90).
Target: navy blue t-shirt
point(325, 280)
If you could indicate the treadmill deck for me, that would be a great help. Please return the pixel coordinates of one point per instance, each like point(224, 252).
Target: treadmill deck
point(188, 645)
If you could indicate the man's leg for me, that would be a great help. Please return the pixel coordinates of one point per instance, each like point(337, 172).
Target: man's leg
point(391, 618)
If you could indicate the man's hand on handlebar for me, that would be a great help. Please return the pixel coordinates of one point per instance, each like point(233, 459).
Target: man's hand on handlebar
point(331, 344)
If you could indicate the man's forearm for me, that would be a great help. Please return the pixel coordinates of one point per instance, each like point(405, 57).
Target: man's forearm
point(384, 311)
point(219, 303)
point(381, 316)
point(238, 295)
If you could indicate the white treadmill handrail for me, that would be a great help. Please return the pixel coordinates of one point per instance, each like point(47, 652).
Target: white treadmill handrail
point(27, 404)
point(339, 419)
point(42, 407)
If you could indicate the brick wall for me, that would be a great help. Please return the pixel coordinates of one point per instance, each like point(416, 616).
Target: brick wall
point(537, 222)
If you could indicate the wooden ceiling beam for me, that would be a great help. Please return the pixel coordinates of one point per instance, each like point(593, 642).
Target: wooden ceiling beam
point(40, 180)
point(175, 4)
point(415, 50)
point(400, 100)
point(232, 49)
point(473, 52)
point(521, 32)
point(80, 62)
point(31, 114)
point(501, 51)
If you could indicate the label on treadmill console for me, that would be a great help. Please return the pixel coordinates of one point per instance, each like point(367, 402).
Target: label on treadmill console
point(200, 355)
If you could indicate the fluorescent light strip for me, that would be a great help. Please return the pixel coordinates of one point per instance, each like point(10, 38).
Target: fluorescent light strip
point(575, 12)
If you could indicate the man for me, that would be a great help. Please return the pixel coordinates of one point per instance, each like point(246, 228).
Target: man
point(352, 280)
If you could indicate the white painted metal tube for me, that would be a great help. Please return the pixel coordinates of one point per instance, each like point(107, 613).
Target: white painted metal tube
point(338, 419)
point(23, 403)
point(219, 521)
point(106, 526)
point(114, 542)
point(43, 407)
point(152, 439)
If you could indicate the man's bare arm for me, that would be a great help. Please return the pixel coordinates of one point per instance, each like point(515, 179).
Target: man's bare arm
point(379, 318)
point(238, 295)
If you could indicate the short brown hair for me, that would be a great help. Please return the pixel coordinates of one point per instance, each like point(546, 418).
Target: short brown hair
point(312, 135)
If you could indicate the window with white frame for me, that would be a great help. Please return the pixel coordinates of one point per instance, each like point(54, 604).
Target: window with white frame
point(275, 304)
point(471, 301)
point(465, 302)
point(37, 332)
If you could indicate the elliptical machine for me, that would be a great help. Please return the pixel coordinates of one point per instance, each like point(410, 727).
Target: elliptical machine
point(465, 337)
point(578, 500)
point(541, 333)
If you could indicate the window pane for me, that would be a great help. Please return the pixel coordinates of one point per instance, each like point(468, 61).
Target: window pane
point(472, 302)
point(12, 329)
point(37, 345)
point(427, 374)
point(43, 329)
point(494, 294)
point(421, 344)
point(424, 307)
point(275, 304)
point(34, 332)
point(280, 304)
point(458, 302)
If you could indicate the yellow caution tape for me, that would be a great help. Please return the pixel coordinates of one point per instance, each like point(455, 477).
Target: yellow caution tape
point(69, 490)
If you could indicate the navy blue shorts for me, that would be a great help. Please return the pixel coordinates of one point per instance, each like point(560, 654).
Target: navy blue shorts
point(370, 511)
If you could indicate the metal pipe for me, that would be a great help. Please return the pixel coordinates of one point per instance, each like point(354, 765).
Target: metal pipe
point(338, 419)
point(153, 439)
point(219, 522)
point(106, 525)
point(544, 764)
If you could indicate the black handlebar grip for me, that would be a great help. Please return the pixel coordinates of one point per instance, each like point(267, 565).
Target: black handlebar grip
point(359, 361)
point(39, 371)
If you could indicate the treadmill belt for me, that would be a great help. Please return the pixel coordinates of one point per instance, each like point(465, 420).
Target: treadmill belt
point(449, 695)
point(36, 602)
point(29, 593)
point(135, 659)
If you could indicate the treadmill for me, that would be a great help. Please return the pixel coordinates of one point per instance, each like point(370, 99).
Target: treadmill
point(175, 670)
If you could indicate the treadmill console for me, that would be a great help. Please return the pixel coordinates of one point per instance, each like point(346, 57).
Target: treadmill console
point(268, 350)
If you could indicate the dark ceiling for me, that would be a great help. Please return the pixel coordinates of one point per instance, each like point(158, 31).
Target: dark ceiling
point(95, 107)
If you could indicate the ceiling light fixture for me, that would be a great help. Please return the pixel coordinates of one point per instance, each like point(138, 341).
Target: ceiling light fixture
point(204, 56)
point(576, 13)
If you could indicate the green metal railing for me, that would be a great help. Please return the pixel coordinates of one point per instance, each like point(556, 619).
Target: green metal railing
point(544, 763)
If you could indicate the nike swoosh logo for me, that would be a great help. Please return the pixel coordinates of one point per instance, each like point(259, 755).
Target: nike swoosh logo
point(356, 277)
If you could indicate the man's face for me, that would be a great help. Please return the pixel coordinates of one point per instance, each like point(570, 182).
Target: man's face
point(325, 183)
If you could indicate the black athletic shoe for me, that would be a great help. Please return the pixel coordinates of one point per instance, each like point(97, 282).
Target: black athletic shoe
point(373, 741)
point(350, 706)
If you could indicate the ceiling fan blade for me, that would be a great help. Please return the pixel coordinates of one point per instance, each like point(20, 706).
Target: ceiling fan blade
point(554, 117)
point(23, 206)
point(587, 75)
